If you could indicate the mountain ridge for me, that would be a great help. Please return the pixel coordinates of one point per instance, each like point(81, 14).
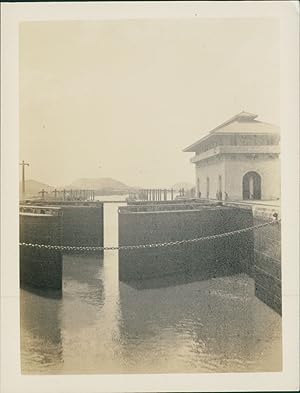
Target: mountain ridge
point(98, 183)
point(33, 187)
point(103, 184)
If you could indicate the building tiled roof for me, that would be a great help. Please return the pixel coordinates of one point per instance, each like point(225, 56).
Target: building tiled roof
point(242, 123)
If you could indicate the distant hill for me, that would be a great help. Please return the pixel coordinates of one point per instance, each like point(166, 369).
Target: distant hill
point(103, 184)
point(33, 187)
point(185, 185)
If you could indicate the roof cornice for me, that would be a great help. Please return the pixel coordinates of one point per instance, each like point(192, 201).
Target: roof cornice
point(244, 116)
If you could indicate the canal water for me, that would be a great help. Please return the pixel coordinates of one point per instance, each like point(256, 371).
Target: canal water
point(103, 326)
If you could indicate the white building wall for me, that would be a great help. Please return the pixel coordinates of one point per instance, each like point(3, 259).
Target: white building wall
point(212, 169)
point(268, 168)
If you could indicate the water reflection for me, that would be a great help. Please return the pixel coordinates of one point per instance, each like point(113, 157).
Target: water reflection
point(101, 325)
point(199, 327)
point(46, 293)
point(82, 277)
point(41, 340)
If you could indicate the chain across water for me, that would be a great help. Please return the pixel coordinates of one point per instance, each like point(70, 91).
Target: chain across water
point(143, 246)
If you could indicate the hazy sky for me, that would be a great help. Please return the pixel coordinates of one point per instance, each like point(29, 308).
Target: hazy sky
point(130, 95)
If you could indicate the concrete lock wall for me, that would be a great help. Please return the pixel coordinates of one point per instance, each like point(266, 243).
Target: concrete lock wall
point(267, 263)
point(201, 260)
point(82, 222)
point(40, 268)
point(83, 225)
point(180, 201)
point(266, 270)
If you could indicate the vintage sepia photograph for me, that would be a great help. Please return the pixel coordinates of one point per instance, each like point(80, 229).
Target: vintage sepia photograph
point(150, 196)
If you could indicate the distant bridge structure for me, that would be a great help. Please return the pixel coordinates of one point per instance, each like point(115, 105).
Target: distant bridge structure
point(71, 195)
point(157, 194)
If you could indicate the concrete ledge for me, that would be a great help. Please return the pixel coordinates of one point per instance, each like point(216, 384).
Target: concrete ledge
point(268, 264)
point(269, 282)
point(272, 301)
point(40, 268)
point(82, 222)
point(217, 257)
point(267, 269)
point(82, 225)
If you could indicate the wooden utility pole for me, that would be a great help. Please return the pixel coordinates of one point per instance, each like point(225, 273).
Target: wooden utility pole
point(23, 164)
point(55, 191)
point(43, 192)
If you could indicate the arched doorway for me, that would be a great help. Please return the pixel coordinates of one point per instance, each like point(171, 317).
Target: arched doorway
point(252, 185)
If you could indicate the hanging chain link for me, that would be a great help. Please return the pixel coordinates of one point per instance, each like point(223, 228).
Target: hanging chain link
point(143, 246)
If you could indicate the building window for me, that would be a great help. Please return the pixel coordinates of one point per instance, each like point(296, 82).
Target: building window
point(219, 192)
point(198, 188)
point(207, 187)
